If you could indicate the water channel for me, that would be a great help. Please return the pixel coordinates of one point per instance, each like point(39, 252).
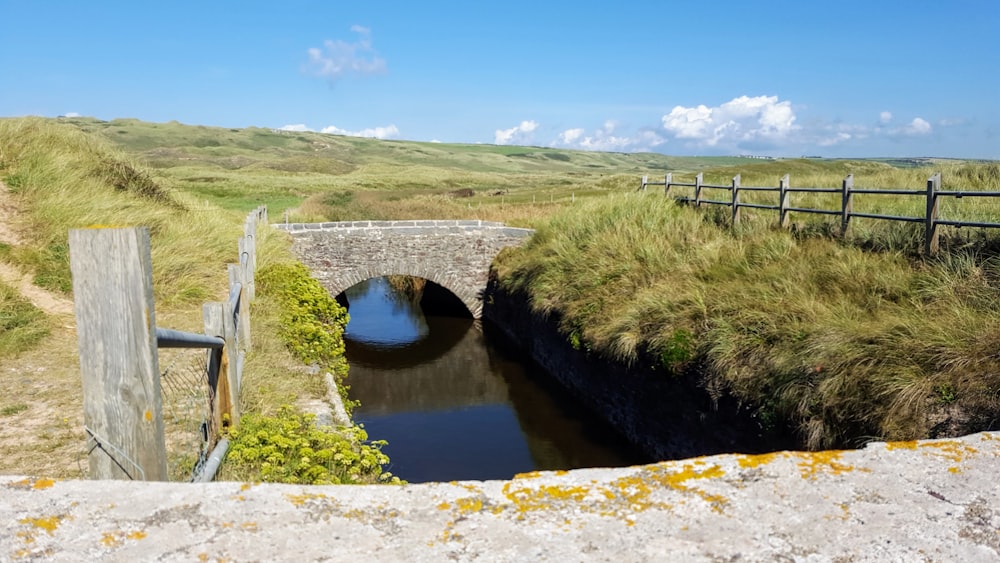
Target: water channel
point(455, 401)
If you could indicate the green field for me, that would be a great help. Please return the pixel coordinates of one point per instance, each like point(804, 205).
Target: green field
point(845, 339)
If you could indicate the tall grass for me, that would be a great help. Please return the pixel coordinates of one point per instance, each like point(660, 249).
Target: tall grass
point(22, 325)
point(843, 344)
point(66, 179)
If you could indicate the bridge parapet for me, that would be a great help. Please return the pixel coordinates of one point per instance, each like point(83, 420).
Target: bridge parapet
point(455, 254)
point(415, 227)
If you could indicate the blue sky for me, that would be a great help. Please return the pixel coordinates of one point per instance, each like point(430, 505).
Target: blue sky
point(784, 78)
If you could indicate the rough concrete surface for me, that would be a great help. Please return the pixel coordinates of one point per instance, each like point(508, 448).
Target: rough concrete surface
point(933, 500)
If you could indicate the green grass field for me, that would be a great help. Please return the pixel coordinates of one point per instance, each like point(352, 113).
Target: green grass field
point(845, 339)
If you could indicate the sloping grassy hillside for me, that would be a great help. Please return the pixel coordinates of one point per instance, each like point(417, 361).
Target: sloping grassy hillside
point(318, 176)
point(844, 344)
point(56, 178)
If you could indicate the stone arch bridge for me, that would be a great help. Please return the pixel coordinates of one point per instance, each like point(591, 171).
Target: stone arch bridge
point(456, 255)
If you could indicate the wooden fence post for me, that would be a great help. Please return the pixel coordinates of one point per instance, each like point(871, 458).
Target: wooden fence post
point(644, 180)
point(697, 190)
point(784, 202)
point(846, 203)
point(116, 332)
point(930, 218)
point(736, 199)
point(219, 322)
point(666, 183)
point(243, 313)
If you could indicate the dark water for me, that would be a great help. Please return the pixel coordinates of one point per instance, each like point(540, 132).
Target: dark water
point(456, 402)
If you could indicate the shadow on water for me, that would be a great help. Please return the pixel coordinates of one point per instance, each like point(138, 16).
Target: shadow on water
point(455, 401)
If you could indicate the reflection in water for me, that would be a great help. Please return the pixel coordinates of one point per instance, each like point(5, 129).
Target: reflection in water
point(455, 404)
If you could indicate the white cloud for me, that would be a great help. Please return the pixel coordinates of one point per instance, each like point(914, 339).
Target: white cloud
point(917, 127)
point(569, 136)
point(521, 134)
point(740, 120)
point(338, 58)
point(387, 132)
point(607, 138)
point(885, 117)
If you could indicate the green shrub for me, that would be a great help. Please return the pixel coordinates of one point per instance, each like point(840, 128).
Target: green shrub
point(290, 448)
point(311, 322)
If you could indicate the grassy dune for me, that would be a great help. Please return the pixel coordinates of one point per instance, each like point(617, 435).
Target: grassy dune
point(844, 344)
point(61, 178)
point(845, 339)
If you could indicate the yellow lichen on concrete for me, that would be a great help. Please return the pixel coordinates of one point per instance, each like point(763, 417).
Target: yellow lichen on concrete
point(469, 505)
point(33, 484)
point(950, 450)
point(907, 445)
point(676, 480)
point(813, 463)
point(752, 461)
point(300, 500)
point(48, 524)
point(118, 537)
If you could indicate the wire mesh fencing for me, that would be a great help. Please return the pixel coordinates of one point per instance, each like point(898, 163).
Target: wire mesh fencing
point(187, 410)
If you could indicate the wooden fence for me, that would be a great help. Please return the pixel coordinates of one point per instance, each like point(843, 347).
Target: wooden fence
point(932, 196)
point(118, 343)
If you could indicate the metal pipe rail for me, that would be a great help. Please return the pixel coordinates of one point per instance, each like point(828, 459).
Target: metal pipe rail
point(711, 201)
point(814, 190)
point(887, 192)
point(968, 224)
point(961, 194)
point(890, 217)
point(168, 338)
point(817, 211)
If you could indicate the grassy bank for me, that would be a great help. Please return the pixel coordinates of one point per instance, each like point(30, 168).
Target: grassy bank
point(849, 340)
point(58, 178)
point(844, 344)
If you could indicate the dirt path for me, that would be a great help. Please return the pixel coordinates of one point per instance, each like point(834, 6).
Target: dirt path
point(41, 411)
point(47, 301)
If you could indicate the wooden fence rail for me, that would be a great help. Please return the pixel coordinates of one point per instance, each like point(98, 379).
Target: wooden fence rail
point(932, 195)
point(118, 343)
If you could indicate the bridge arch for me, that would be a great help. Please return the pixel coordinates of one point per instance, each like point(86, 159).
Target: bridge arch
point(455, 255)
point(346, 279)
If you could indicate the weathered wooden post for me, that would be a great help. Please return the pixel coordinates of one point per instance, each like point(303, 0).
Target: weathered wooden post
point(930, 218)
point(238, 279)
point(697, 190)
point(219, 322)
point(846, 203)
point(644, 180)
point(116, 332)
point(736, 199)
point(666, 183)
point(784, 202)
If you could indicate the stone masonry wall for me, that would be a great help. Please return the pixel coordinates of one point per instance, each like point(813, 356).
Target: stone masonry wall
point(453, 254)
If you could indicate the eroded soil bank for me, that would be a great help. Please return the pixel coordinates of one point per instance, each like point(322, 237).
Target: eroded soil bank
point(665, 416)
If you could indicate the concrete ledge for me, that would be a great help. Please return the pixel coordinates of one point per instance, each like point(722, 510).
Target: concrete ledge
point(929, 501)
